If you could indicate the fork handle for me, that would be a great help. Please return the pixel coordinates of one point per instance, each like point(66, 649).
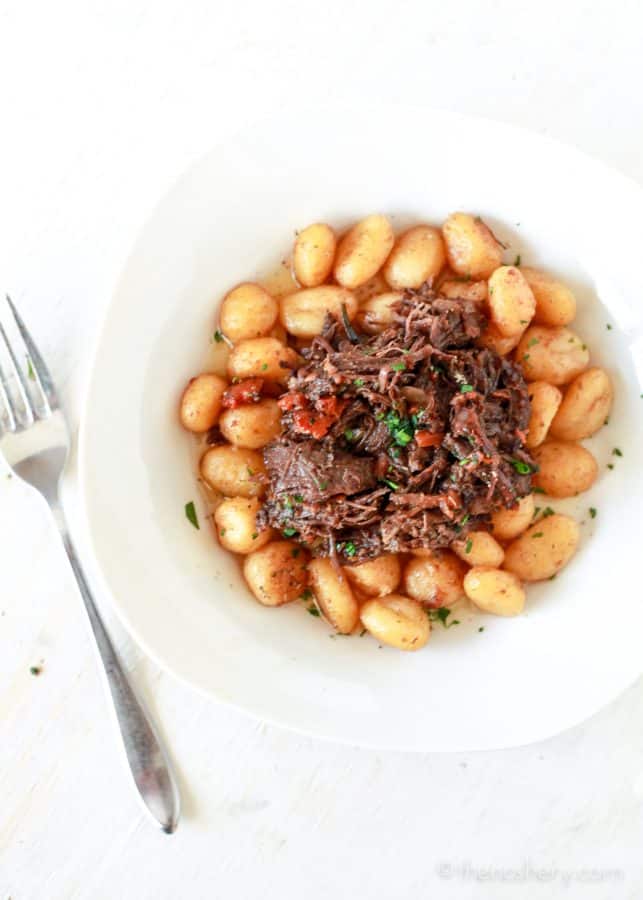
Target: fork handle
point(147, 760)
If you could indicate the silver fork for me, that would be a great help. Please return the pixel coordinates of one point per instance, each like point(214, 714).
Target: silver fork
point(35, 442)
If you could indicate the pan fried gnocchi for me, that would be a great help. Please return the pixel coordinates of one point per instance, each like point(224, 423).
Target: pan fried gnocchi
point(400, 441)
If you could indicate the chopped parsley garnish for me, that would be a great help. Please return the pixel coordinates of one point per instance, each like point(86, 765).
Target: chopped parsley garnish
point(535, 341)
point(289, 532)
point(322, 485)
point(617, 452)
point(481, 628)
point(398, 366)
point(517, 260)
point(536, 511)
point(287, 502)
point(401, 429)
point(218, 336)
point(249, 471)
point(306, 595)
point(441, 614)
point(299, 498)
point(362, 632)
point(394, 451)
point(469, 546)
point(255, 535)
point(350, 549)
point(592, 512)
point(548, 511)
point(380, 415)
point(35, 670)
point(264, 367)
point(313, 611)
point(359, 382)
point(393, 486)
point(463, 462)
point(190, 514)
point(349, 434)
point(465, 519)
point(538, 490)
point(610, 465)
point(30, 372)
point(466, 388)
point(525, 357)
point(538, 534)
point(521, 467)
point(609, 327)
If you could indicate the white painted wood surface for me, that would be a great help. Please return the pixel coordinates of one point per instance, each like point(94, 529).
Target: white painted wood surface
point(101, 105)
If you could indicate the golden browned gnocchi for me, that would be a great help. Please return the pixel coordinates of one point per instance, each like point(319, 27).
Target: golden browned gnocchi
point(428, 298)
point(276, 574)
point(494, 591)
point(201, 402)
point(555, 303)
point(545, 400)
point(236, 523)
point(417, 256)
point(479, 548)
point(234, 471)
point(314, 254)
point(554, 355)
point(472, 249)
point(509, 523)
point(334, 595)
point(565, 469)
point(376, 313)
point(363, 250)
point(376, 577)
point(262, 358)
point(251, 425)
point(585, 406)
point(434, 578)
point(397, 621)
point(543, 549)
point(303, 313)
point(247, 311)
point(511, 302)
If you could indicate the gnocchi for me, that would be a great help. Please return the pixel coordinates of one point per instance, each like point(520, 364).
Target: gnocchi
point(248, 311)
point(236, 525)
point(251, 425)
point(363, 250)
point(376, 577)
point(554, 355)
point(313, 254)
point(564, 468)
point(494, 591)
point(511, 302)
point(201, 402)
point(545, 400)
point(276, 574)
point(417, 256)
point(376, 313)
point(397, 621)
point(434, 578)
point(334, 595)
point(509, 523)
point(543, 550)
point(303, 313)
point(479, 548)
point(472, 249)
point(234, 471)
point(555, 303)
point(585, 407)
point(262, 358)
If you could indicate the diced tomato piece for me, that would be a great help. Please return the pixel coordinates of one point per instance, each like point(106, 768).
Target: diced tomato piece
point(292, 400)
point(426, 439)
point(307, 422)
point(330, 406)
point(248, 391)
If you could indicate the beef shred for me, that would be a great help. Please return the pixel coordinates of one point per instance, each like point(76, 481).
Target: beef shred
point(403, 440)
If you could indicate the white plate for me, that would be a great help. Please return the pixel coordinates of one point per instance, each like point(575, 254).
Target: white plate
point(231, 217)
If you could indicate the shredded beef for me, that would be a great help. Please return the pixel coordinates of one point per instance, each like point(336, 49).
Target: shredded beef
point(403, 440)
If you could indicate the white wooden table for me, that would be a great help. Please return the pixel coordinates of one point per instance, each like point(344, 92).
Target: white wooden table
point(101, 105)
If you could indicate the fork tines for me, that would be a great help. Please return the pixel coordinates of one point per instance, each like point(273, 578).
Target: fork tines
point(26, 389)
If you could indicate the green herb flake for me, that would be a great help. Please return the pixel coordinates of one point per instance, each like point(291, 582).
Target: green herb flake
point(349, 434)
point(359, 382)
point(466, 388)
point(289, 532)
point(255, 535)
point(30, 372)
point(610, 465)
point(607, 420)
point(534, 341)
point(548, 511)
point(538, 490)
point(322, 485)
point(521, 467)
point(538, 534)
point(190, 514)
point(609, 327)
point(517, 260)
point(536, 511)
point(525, 357)
point(218, 337)
point(35, 670)
point(441, 614)
point(551, 577)
point(299, 498)
point(313, 611)
point(465, 519)
point(393, 486)
point(469, 546)
point(306, 595)
point(362, 632)
point(249, 471)
point(617, 452)
point(264, 367)
point(592, 512)
point(350, 549)
point(222, 532)
point(481, 628)
point(398, 367)
point(463, 462)
point(380, 415)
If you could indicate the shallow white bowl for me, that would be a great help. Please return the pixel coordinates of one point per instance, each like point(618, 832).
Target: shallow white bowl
point(232, 217)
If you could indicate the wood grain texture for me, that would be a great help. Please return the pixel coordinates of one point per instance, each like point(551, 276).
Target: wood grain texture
point(101, 106)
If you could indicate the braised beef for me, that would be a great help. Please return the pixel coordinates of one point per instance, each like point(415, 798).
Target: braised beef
point(403, 440)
